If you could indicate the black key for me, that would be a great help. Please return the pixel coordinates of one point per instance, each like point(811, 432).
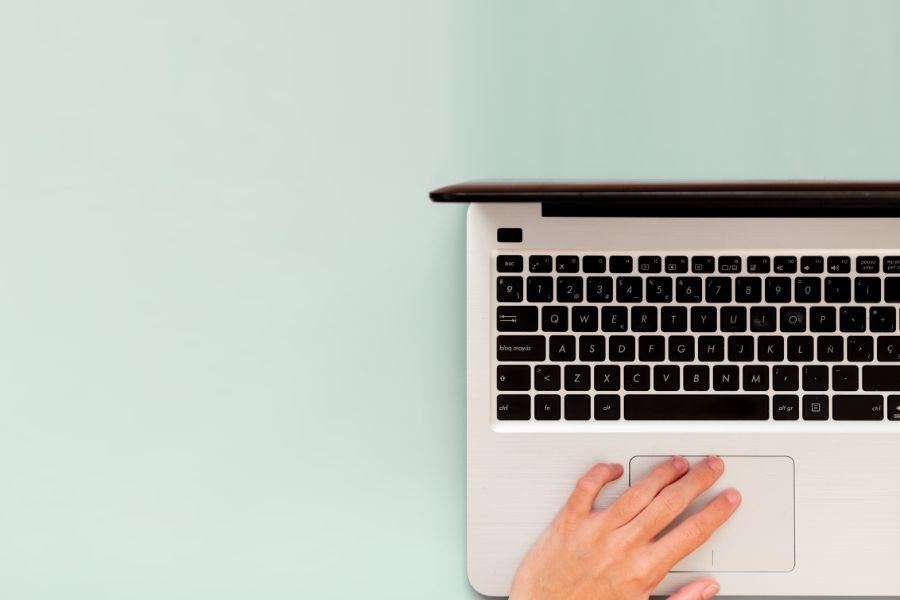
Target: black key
point(696, 378)
point(785, 264)
point(881, 378)
point(591, 348)
point(808, 290)
point(711, 348)
point(666, 378)
point(585, 318)
point(540, 264)
point(517, 318)
point(509, 289)
point(822, 319)
point(594, 264)
point(785, 378)
point(606, 407)
point(614, 318)
point(839, 264)
point(830, 348)
point(785, 407)
point(649, 264)
point(888, 348)
point(547, 378)
point(845, 378)
point(812, 264)
point(567, 264)
point(606, 378)
point(555, 318)
point(837, 289)
point(729, 264)
point(748, 290)
point(696, 407)
point(688, 289)
point(703, 264)
point(629, 289)
point(659, 289)
point(867, 264)
point(883, 319)
point(674, 318)
point(762, 318)
point(892, 289)
point(793, 319)
point(733, 319)
point(621, 348)
point(893, 409)
point(853, 319)
point(676, 264)
point(562, 348)
point(514, 377)
point(740, 348)
point(758, 264)
point(620, 264)
point(867, 289)
point(651, 348)
point(725, 378)
point(755, 378)
point(569, 289)
point(520, 348)
point(800, 348)
point(778, 289)
point(578, 407)
point(513, 407)
point(599, 289)
point(546, 407)
point(507, 263)
point(644, 319)
point(577, 377)
point(815, 407)
point(718, 289)
point(703, 318)
point(857, 407)
point(891, 264)
point(860, 348)
point(815, 378)
point(770, 348)
point(540, 289)
point(681, 348)
point(637, 378)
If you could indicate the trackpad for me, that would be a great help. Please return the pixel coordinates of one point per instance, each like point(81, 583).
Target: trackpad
point(760, 535)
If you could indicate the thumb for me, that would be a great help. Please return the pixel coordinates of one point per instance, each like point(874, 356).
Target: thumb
point(699, 589)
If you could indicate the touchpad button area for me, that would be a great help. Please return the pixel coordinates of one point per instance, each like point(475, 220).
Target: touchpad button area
point(759, 537)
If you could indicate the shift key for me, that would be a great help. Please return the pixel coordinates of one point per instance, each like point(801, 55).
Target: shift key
point(521, 348)
point(881, 378)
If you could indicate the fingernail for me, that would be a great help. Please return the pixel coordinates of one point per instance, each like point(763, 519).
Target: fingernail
point(715, 463)
point(733, 496)
point(679, 463)
point(710, 591)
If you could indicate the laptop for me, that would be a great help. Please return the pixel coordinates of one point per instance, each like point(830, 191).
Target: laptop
point(628, 322)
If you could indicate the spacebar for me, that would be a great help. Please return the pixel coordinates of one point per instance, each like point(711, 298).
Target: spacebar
point(696, 407)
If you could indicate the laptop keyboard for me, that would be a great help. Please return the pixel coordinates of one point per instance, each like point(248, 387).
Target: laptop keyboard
point(612, 337)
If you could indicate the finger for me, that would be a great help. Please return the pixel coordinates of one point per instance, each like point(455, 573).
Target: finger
point(695, 530)
point(581, 501)
point(699, 589)
point(637, 497)
point(671, 501)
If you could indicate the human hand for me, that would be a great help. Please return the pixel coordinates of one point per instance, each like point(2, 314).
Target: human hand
point(617, 553)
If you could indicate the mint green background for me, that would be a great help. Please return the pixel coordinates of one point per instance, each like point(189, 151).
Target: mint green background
point(232, 326)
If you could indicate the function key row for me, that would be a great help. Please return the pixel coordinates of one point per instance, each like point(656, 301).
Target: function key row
point(545, 263)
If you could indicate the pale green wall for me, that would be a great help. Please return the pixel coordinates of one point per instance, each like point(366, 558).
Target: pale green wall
point(231, 326)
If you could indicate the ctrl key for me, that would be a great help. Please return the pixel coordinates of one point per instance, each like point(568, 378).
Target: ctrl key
point(513, 407)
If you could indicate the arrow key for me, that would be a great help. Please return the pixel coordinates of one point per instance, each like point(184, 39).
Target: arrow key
point(893, 406)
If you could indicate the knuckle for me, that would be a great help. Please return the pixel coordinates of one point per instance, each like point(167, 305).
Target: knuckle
point(671, 500)
point(584, 486)
point(692, 532)
point(643, 569)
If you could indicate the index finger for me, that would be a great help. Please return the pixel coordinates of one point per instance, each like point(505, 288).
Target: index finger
point(695, 530)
